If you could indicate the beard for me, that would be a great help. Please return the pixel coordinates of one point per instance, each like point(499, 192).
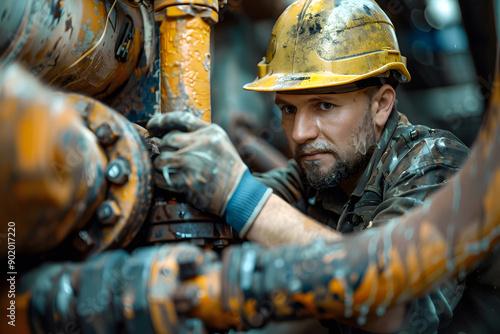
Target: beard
point(348, 162)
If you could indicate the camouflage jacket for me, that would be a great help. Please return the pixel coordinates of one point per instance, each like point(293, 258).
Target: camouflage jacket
point(408, 165)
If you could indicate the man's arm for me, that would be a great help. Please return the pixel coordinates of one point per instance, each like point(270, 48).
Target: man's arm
point(199, 160)
point(279, 223)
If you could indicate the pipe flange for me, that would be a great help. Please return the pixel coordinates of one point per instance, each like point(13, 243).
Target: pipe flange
point(129, 174)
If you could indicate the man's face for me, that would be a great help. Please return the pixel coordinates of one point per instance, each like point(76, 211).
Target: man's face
point(331, 136)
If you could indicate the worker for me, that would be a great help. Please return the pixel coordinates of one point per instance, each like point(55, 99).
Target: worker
point(357, 161)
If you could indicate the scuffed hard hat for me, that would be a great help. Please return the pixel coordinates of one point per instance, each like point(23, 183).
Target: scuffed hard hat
point(327, 43)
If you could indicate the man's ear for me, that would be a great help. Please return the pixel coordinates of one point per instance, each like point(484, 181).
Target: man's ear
point(382, 103)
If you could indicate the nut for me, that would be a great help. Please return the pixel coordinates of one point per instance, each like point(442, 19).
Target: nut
point(108, 212)
point(106, 135)
point(83, 241)
point(118, 171)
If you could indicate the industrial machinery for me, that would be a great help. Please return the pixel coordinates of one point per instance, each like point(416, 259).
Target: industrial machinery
point(114, 52)
point(78, 82)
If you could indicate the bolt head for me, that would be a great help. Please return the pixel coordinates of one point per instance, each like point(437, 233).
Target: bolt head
point(108, 212)
point(83, 241)
point(106, 135)
point(118, 171)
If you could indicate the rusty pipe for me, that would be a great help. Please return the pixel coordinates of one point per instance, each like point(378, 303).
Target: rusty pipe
point(85, 46)
point(185, 54)
point(74, 169)
point(185, 85)
point(52, 166)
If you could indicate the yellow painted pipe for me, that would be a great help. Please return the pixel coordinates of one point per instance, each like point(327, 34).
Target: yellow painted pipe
point(185, 54)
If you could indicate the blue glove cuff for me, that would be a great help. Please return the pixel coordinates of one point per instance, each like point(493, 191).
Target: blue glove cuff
point(246, 203)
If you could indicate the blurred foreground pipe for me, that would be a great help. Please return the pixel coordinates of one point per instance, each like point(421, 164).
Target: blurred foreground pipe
point(185, 54)
point(71, 168)
point(52, 166)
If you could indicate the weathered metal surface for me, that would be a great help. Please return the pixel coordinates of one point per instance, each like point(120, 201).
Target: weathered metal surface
point(140, 292)
point(52, 166)
point(53, 36)
point(128, 173)
point(139, 98)
point(185, 85)
point(185, 55)
point(59, 169)
point(178, 221)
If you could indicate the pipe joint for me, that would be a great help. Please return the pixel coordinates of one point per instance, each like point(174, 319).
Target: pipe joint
point(173, 9)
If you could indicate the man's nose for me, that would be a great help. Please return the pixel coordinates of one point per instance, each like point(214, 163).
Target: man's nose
point(305, 127)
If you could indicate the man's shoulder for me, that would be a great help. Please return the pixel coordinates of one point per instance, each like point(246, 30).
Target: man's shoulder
point(415, 149)
point(421, 143)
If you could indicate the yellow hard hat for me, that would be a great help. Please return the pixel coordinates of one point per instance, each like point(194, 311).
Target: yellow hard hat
point(325, 43)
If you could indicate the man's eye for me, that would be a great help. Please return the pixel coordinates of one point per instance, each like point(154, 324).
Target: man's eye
point(288, 109)
point(325, 106)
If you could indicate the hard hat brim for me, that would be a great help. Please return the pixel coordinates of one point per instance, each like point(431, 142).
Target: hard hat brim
point(299, 81)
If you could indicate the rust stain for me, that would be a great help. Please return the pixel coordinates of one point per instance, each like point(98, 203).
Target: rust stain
point(365, 290)
point(335, 287)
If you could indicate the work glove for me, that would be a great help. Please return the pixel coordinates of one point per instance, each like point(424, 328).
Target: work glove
point(198, 160)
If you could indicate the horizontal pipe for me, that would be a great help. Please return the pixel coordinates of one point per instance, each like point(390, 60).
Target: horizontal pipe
point(72, 44)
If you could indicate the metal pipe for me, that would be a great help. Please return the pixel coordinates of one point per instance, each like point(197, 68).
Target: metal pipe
point(85, 46)
point(185, 85)
point(74, 170)
point(185, 54)
point(52, 166)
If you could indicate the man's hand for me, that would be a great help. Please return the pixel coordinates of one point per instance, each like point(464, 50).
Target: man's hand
point(197, 159)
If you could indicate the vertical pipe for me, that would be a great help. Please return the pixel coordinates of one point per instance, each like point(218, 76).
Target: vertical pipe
point(185, 54)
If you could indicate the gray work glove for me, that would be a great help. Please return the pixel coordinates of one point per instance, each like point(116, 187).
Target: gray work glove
point(197, 159)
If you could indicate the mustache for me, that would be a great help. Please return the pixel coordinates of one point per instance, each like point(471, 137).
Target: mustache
point(321, 147)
